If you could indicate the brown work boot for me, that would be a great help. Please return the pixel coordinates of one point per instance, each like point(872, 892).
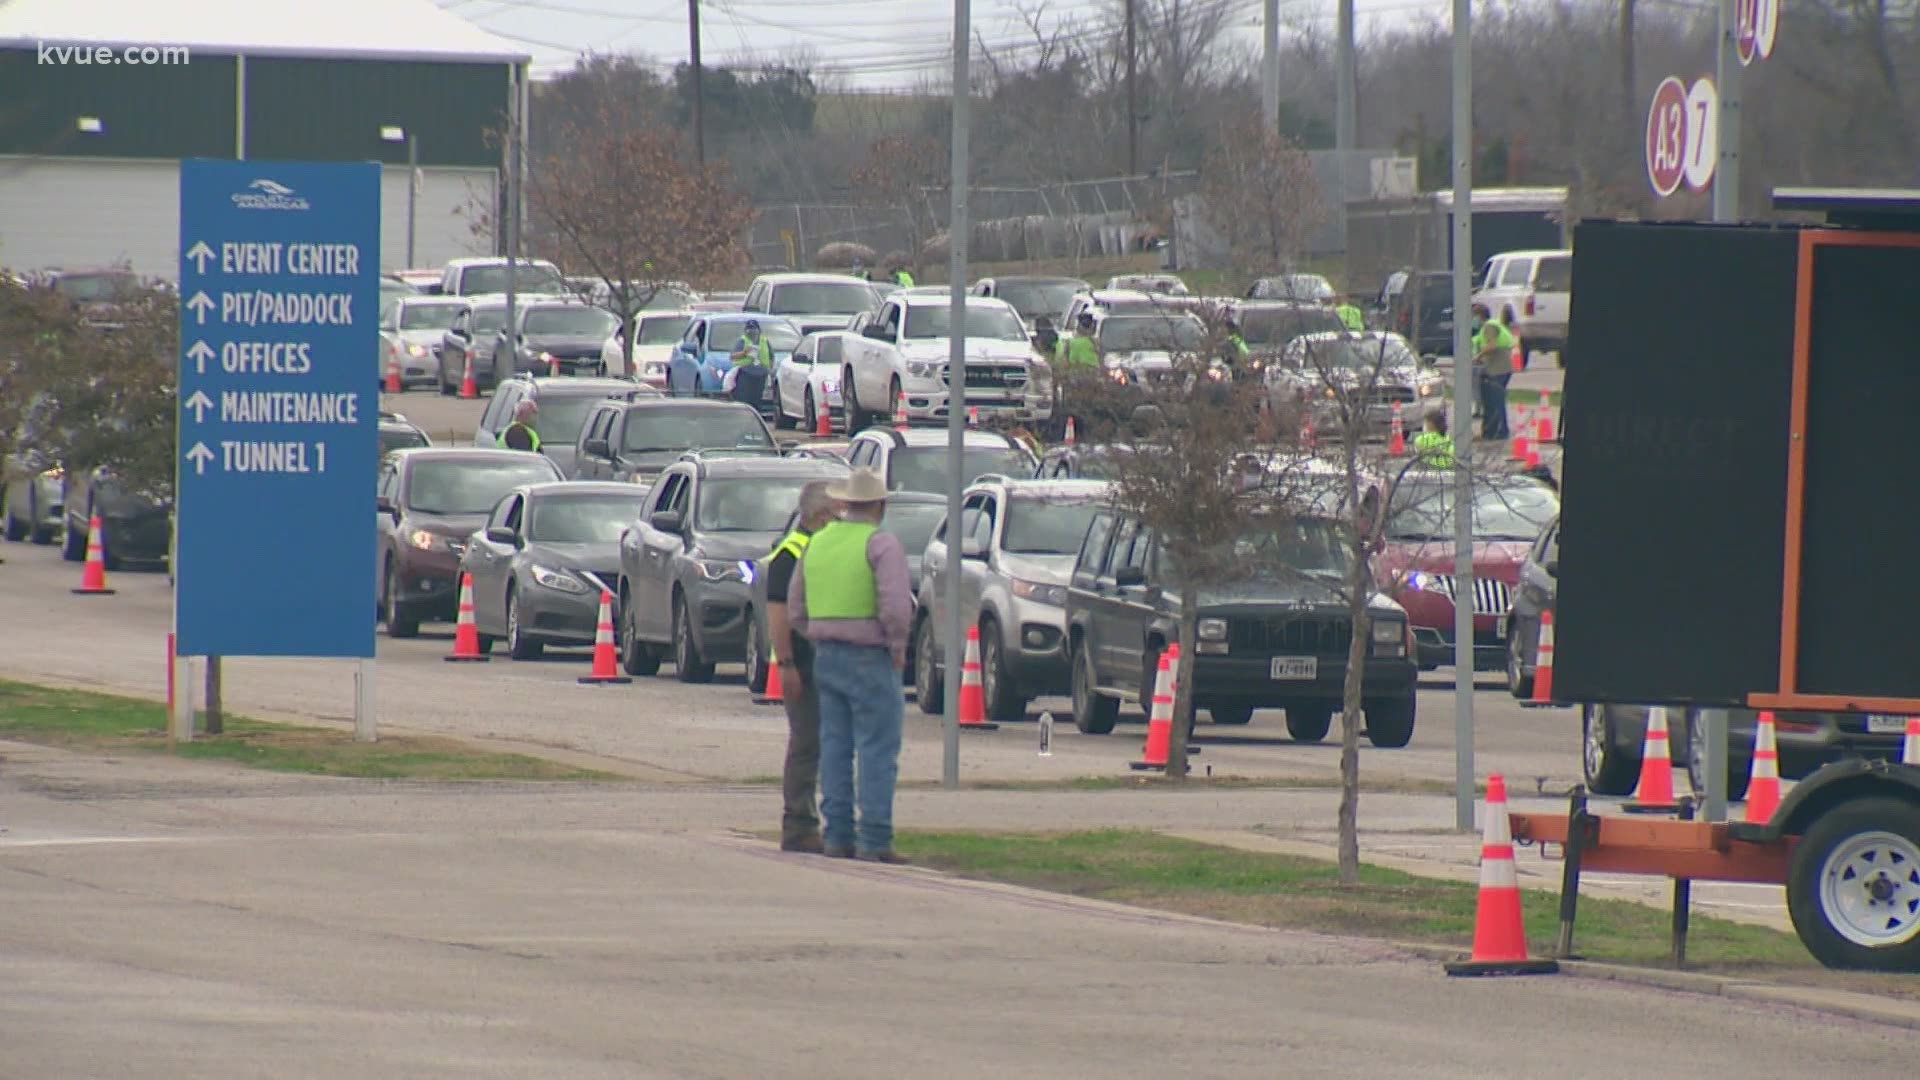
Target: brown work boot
point(835, 851)
point(888, 856)
point(805, 845)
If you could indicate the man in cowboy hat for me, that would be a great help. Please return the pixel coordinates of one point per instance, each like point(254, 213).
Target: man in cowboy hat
point(853, 601)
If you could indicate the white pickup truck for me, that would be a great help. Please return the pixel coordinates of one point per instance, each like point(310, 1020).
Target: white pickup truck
point(900, 353)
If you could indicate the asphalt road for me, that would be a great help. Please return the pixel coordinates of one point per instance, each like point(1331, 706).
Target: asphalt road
point(174, 920)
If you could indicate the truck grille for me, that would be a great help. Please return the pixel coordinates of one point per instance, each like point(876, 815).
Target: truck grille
point(996, 375)
point(1390, 395)
point(1489, 597)
point(1290, 634)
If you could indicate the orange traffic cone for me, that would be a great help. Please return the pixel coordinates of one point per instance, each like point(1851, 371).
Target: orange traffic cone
point(1159, 718)
point(93, 575)
point(1655, 792)
point(1910, 747)
point(1397, 443)
point(1533, 459)
point(973, 697)
point(772, 693)
point(1519, 358)
point(973, 416)
point(466, 636)
point(1070, 440)
point(393, 373)
point(1543, 418)
point(900, 413)
point(823, 423)
point(1520, 448)
point(1499, 935)
point(468, 391)
point(1763, 787)
point(1543, 661)
point(553, 367)
point(1307, 438)
point(605, 664)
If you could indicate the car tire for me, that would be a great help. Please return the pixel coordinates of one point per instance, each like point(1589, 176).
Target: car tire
point(1005, 705)
point(518, 647)
point(1853, 890)
point(636, 656)
point(1093, 713)
point(810, 408)
point(1606, 769)
point(856, 421)
point(1310, 723)
point(1230, 715)
point(73, 542)
point(398, 625)
point(109, 560)
point(896, 401)
point(688, 664)
point(756, 657)
point(1390, 722)
point(1739, 766)
point(485, 643)
point(781, 421)
point(1519, 683)
point(929, 688)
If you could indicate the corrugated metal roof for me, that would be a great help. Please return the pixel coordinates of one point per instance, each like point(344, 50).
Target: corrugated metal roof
point(396, 29)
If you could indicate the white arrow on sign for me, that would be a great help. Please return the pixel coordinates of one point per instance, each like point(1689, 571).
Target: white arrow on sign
point(198, 304)
point(199, 353)
point(200, 253)
point(199, 403)
point(199, 455)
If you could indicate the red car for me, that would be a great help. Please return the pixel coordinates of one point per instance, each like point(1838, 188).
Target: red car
point(1416, 563)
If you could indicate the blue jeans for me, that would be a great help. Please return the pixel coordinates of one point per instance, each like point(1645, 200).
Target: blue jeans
point(860, 714)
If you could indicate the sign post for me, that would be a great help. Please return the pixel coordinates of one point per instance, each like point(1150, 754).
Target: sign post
point(279, 283)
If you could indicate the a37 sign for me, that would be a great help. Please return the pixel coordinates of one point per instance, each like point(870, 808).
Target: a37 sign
point(1682, 129)
point(1755, 25)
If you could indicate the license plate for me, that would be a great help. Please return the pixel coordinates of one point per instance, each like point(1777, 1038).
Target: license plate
point(1296, 667)
point(1500, 629)
point(1882, 724)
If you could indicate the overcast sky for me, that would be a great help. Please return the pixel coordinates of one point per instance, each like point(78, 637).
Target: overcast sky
point(874, 43)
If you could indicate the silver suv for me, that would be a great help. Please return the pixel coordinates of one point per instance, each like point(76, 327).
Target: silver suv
point(1018, 542)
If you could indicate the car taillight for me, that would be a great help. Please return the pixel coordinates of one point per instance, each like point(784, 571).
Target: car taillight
point(1529, 303)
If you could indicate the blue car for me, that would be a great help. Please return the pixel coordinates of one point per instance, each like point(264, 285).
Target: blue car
point(711, 338)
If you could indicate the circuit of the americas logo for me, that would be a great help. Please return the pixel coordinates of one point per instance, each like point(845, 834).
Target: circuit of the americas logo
point(267, 195)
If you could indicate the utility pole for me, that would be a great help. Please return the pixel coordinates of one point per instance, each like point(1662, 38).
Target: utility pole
point(1345, 115)
point(1462, 410)
point(516, 118)
point(1726, 78)
point(1133, 99)
point(1270, 68)
point(693, 49)
point(956, 390)
point(413, 190)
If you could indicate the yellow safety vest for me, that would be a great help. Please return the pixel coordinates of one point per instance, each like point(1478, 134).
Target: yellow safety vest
point(1433, 448)
point(840, 583)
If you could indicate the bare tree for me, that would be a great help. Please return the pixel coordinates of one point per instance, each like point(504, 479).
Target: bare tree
point(1261, 196)
point(892, 177)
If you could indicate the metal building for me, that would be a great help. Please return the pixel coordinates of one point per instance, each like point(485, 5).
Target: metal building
point(100, 99)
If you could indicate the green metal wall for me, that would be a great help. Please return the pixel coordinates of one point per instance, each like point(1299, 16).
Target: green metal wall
point(297, 109)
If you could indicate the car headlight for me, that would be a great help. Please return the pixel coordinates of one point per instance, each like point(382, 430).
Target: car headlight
point(1420, 580)
point(416, 350)
point(558, 580)
point(546, 357)
point(1389, 637)
point(55, 473)
point(723, 570)
point(1218, 373)
point(1040, 593)
point(1212, 630)
point(1429, 389)
point(1119, 375)
point(427, 541)
point(925, 369)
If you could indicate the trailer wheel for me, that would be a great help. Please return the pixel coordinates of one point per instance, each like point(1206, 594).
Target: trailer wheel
point(1853, 888)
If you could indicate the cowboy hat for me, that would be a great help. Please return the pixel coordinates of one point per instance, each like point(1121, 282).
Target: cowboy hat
point(860, 486)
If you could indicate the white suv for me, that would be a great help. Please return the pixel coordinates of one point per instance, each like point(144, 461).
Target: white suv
point(1530, 292)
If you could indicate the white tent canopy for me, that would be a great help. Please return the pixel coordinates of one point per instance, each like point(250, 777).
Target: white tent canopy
point(382, 29)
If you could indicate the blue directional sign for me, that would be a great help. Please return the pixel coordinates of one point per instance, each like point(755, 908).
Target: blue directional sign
point(279, 410)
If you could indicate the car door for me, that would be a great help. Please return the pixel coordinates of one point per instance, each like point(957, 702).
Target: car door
point(1106, 618)
point(386, 488)
point(981, 514)
point(595, 464)
point(1536, 589)
point(1134, 613)
point(653, 551)
point(491, 563)
point(790, 378)
point(453, 348)
point(1084, 597)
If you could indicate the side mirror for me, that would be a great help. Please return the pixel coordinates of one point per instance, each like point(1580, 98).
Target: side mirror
point(384, 505)
point(667, 521)
point(686, 348)
point(596, 447)
point(1552, 567)
point(500, 534)
point(1129, 575)
point(972, 549)
point(787, 446)
point(877, 333)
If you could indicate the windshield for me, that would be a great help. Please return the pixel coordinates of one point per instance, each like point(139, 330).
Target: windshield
point(725, 336)
point(471, 487)
point(913, 524)
point(1033, 299)
point(748, 504)
point(1043, 526)
point(428, 316)
point(662, 329)
point(924, 468)
point(659, 430)
point(1351, 352)
point(489, 318)
point(1279, 325)
point(1301, 287)
point(982, 322)
point(569, 322)
point(1275, 547)
point(574, 519)
point(562, 415)
point(1153, 283)
point(392, 439)
point(527, 277)
point(821, 298)
point(1128, 333)
point(1554, 274)
point(1424, 512)
point(96, 287)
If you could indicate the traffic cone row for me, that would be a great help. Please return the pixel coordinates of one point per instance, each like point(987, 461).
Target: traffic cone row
point(1543, 418)
point(1910, 747)
point(1543, 661)
point(1654, 794)
point(1397, 442)
point(771, 693)
point(606, 667)
point(1763, 785)
point(1499, 933)
point(393, 373)
point(466, 636)
point(823, 421)
point(973, 696)
point(468, 391)
point(93, 574)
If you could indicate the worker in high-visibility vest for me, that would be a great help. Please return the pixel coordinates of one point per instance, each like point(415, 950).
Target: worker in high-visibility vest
point(1493, 362)
point(520, 434)
point(1433, 447)
point(800, 817)
point(854, 602)
point(1350, 314)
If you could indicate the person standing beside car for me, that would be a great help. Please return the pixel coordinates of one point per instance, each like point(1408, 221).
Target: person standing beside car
point(800, 818)
point(520, 434)
point(1493, 347)
point(853, 600)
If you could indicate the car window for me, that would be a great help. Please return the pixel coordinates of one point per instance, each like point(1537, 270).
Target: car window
point(912, 524)
point(562, 415)
point(1554, 274)
point(820, 298)
point(399, 438)
point(1117, 553)
point(661, 329)
point(1516, 272)
point(1038, 525)
point(1278, 325)
point(665, 491)
point(582, 519)
point(389, 481)
point(725, 337)
point(804, 354)
point(527, 278)
point(459, 327)
point(1423, 512)
point(747, 503)
point(572, 320)
point(488, 319)
point(501, 512)
point(1136, 554)
point(472, 486)
point(924, 468)
point(1093, 547)
point(497, 408)
point(659, 430)
point(828, 350)
point(427, 316)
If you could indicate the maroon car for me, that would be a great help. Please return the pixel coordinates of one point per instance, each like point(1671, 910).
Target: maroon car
point(1417, 562)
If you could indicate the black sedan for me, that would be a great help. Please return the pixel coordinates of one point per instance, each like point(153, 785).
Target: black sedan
point(541, 562)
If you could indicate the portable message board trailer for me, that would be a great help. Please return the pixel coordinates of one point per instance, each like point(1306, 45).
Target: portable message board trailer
point(1736, 534)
